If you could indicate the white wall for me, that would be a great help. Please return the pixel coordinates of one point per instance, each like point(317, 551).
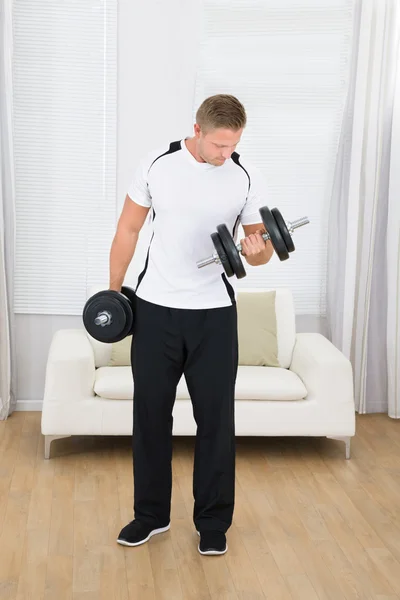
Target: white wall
point(157, 44)
point(157, 48)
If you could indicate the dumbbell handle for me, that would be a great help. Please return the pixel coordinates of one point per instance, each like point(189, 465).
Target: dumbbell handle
point(103, 318)
point(265, 236)
point(291, 227)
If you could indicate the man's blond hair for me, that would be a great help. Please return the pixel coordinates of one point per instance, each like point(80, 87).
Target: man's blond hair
point(221, 111)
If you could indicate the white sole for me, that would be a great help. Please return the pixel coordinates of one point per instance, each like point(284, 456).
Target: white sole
point(154, 532)
point(211, 552)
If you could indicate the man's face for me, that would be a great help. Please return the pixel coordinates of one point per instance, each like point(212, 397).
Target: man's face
point(216, 146)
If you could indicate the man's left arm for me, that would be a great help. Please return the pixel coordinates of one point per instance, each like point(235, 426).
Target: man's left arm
point(254, 249)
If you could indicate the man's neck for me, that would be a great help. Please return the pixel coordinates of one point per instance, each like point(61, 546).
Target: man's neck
point(192, 147)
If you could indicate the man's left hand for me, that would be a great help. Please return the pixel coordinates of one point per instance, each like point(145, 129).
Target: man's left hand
point(255, 249)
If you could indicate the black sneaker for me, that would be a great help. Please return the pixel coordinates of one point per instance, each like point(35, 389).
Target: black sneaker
point(212, 542)
point(136, 533)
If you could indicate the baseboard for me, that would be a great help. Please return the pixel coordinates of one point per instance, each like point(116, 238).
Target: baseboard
point(33, 405)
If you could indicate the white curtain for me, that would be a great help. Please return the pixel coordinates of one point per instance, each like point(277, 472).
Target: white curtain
point(363, 291)
point(7, 217)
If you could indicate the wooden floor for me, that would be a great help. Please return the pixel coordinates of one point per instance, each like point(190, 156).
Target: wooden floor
point(308, 524)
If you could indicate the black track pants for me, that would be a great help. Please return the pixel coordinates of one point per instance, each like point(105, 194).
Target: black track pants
point(202, 345)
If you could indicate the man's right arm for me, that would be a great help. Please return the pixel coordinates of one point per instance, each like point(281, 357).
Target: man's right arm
point(124, 243)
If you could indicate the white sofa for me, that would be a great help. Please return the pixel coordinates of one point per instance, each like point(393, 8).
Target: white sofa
point(310, 394)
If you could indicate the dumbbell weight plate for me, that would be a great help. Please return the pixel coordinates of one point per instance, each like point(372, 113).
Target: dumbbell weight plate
point(231, 251)
point(287, 238)
point(118, 306)
point(274, 232)
point(220, 250)
point(130, 294)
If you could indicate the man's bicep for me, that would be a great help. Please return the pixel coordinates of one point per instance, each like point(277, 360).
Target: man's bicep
point(253, 228)
point(143, 201)
point(133, 215)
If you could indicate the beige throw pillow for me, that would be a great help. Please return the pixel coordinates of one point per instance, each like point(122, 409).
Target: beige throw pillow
point(121, 353)
point(257, 330)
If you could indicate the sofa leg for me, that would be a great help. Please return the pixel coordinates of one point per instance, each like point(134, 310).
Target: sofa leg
point(345, 439)
point(47, 443)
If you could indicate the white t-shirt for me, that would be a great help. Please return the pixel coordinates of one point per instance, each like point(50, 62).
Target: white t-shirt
point(188, 200)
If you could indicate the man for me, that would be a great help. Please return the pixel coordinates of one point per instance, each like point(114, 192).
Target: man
point(185, 317)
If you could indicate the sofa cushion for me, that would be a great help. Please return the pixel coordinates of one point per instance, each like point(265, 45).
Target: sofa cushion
point(268, 383)
point(257, 330)
point(253, 383)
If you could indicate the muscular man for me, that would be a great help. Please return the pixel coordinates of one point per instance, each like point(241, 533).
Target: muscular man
point(185, 317)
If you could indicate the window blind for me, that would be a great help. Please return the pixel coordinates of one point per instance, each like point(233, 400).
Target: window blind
point(288, 62)
point(65, 150)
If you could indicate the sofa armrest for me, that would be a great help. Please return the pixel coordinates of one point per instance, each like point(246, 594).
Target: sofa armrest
point(325, 371)
point(70, 369)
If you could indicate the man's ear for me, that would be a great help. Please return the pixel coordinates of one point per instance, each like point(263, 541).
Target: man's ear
point(197, 130)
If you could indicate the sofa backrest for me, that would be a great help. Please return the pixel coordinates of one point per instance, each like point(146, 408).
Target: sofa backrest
point(285, 323)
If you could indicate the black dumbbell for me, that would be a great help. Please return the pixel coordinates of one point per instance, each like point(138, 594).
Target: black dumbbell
point(227, 253)
point(108, 315)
